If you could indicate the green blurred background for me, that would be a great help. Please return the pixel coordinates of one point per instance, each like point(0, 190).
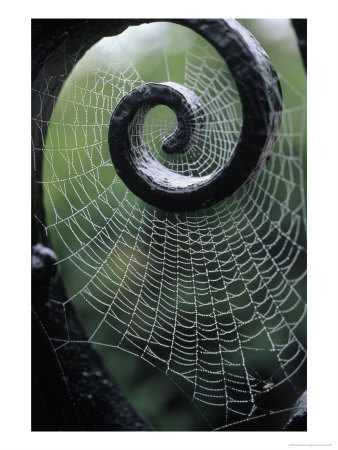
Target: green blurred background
point(152, 393)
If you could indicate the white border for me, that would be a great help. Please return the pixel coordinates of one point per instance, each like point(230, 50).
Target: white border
point(322, 220)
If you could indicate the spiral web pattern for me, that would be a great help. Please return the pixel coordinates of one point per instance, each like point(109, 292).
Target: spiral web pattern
point(215, 298)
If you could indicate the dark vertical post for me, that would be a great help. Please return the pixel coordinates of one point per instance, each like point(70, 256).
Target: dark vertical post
point(300, 26)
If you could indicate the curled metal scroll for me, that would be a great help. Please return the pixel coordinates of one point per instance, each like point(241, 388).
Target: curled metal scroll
point(260, 93)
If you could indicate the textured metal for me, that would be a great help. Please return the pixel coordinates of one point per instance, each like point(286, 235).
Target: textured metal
point(260, 93)
point(135, 105)
point(145, 175)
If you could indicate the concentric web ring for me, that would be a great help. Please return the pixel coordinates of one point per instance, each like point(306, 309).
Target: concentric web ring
point(215, 299)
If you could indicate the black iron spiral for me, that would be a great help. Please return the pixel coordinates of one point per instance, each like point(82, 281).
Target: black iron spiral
point(260, 93)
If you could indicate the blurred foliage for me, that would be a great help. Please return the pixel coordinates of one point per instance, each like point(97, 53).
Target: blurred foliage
point(153, 394)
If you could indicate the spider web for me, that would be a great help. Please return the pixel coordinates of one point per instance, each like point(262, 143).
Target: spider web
point(215, 299)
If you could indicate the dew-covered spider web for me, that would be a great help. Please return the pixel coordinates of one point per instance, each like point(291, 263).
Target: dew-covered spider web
point(214, 299)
